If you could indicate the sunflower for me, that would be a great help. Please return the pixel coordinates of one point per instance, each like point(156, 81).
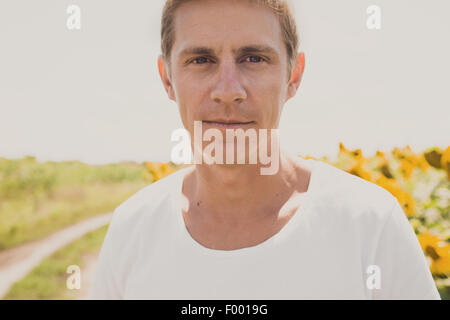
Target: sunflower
point(359, 171)
point(404, 198)
point(427, 239)
point(159, 170)
point(433, 157)
point(407, 202)
point(441, 265)
point(437, 251)
point(386, 171)
point(403, 153)
point(406, 168)
point(390, 185)
point(445, 161)
point(307, 157)
point(422, 163)
point(380, 154)
point(342, 148)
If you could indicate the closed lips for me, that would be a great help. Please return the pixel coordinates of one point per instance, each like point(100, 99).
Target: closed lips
point(228, 122)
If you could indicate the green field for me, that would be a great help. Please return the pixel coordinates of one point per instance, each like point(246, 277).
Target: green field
point(37, 199)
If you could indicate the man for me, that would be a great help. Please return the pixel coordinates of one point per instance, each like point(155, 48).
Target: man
point(226, 231)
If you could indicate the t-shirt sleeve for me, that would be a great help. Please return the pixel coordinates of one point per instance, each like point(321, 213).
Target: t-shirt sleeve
point(404, 270)
point(105, 285)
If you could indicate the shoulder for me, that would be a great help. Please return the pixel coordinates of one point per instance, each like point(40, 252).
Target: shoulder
point(350, 197)
point(133, 218)
point(145, 204)
point(150, 197)
point(138, 216)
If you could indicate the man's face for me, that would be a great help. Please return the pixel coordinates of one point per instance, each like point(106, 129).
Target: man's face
point(228, 62)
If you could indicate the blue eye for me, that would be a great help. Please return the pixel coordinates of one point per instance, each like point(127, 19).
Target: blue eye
point(199, 59)
point(258, 59)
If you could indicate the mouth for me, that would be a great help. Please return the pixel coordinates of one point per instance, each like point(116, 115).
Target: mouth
point(228, 124)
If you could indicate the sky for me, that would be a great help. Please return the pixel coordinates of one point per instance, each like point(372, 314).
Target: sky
point(95, 94)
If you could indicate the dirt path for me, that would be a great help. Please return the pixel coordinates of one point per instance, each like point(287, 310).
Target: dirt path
point(15, 263)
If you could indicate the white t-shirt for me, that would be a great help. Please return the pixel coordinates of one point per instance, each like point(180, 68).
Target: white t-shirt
point(350, 239)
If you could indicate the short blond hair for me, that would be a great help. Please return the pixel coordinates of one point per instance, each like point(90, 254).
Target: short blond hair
point(279, 7)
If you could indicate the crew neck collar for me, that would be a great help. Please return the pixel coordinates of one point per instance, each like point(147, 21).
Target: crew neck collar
point(189, 243)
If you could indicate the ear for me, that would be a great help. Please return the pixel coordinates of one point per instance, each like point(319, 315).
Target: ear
point(163, 73)
point(296, 76)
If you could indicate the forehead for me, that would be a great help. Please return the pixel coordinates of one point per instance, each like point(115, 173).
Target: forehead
point(229, 24)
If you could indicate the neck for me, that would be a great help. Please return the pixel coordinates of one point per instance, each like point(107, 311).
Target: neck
point(240, 191)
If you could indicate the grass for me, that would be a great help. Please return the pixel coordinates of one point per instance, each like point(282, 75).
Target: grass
point(20, 223)
point(37, 199)
point(47, 281)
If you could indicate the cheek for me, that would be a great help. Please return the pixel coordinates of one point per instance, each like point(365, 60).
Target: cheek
point(268, 98)
point(189, 96)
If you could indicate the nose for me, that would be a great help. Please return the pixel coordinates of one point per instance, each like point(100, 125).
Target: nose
point(228, 88)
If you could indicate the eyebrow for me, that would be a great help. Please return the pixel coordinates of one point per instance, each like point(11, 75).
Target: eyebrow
point(242, 50)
